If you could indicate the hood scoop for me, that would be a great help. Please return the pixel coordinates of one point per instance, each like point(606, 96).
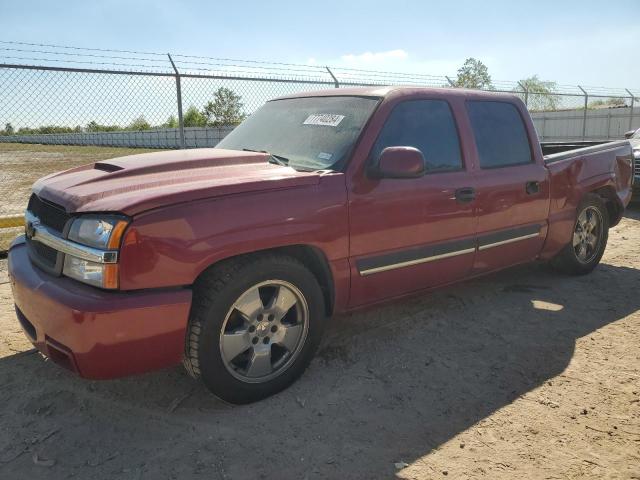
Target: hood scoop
point(107, 167)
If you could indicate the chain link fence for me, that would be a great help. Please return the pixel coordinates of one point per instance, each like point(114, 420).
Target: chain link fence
point(68, 96)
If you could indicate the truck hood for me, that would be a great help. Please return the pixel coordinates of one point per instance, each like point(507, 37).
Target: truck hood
point(136, 183)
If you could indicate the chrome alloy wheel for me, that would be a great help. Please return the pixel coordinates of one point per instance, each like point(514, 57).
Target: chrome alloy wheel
point(264, 331)
point(587, 234)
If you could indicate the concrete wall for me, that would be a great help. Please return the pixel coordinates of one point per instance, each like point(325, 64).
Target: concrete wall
point(602, 124)
point(161, 138)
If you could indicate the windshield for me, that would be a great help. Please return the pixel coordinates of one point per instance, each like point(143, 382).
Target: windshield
point(314, 133)
point(637, 134)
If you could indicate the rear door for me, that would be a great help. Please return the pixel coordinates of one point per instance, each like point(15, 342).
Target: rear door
point(512, 185)
point(409, 234)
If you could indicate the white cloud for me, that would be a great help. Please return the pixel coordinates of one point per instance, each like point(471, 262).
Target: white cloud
point(375, 57)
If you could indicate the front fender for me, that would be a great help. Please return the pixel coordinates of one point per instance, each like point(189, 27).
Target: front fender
point(172, 246)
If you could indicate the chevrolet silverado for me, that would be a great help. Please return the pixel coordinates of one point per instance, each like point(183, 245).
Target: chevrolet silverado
point(230, 260)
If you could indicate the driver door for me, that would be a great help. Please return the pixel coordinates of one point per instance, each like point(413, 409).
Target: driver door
point(414, 233)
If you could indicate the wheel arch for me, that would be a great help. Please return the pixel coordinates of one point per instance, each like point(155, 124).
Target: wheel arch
point(310, 256)
point(614, 206)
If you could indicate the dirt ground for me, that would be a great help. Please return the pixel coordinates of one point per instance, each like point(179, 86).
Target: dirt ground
point(525, 374)
point(22, 164)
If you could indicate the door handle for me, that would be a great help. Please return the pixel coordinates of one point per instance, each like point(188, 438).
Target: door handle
point(532, 187)
point(465, 195)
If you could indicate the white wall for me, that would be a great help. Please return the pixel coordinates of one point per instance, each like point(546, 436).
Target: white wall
point(602, 124)
point(160, 138)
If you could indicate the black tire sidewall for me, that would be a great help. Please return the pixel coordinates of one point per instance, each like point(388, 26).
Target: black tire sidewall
point(213, 370)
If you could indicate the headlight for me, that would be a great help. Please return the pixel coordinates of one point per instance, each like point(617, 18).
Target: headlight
point(636, 154)
point(98, 233)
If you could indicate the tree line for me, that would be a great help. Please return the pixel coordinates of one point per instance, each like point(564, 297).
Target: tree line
point(226, 109)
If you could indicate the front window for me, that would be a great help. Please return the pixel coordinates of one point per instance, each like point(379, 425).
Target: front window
point(314, 133)
point(427, 125)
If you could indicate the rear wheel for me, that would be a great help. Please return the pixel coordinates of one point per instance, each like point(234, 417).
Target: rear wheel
point(254, 326)
point(589, 240)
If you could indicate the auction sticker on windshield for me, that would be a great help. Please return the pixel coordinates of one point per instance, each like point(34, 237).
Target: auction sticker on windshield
point(326, 119)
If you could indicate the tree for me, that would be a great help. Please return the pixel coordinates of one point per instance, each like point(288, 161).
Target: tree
point(225, 109)
point(139, 123)
point(474, 74)
point(194, 118)
point(8, 129)
point(172, 122)
point(94, 126)
point(541, 94)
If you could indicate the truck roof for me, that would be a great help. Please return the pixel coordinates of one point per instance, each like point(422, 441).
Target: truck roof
point(388, 91)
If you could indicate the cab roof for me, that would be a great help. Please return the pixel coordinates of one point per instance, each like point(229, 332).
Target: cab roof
point(400, 91)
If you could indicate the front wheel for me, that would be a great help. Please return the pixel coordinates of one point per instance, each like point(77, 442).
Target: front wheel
point(254, 327)
point(589, 240)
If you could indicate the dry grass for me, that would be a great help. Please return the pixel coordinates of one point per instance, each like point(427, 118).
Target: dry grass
point(22, 164)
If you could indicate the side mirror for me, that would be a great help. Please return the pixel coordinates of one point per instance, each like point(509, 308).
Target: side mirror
point(399, 162)
point(629, 134)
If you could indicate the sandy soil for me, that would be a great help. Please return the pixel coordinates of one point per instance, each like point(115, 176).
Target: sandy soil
point(525, 374)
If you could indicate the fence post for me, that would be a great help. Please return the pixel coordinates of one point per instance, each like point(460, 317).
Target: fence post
point(179, 97)
point(631, 114)
point(584, 117)
point(526, 94)
point(450, 81)
point(335, 80)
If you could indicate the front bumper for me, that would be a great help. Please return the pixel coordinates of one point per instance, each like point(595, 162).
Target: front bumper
point(98, 334)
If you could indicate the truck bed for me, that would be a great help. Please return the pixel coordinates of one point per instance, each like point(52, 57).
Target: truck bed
point(556, 152)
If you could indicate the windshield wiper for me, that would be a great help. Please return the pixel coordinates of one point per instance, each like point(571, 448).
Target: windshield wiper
point(277, 159)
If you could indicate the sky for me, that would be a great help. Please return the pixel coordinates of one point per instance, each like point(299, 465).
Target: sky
point(585, 42)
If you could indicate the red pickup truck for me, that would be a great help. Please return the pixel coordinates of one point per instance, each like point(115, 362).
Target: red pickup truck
point(231, 259)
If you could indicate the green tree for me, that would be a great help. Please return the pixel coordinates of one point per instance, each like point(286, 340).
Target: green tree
point(8, 129)
point(194, 118)
point(541, 94)
point(94, 126)
point(172, 122)
point(225, 109)
point(474, 74)
point(139, 123)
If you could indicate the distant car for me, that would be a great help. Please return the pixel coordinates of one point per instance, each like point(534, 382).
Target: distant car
point(634, 140)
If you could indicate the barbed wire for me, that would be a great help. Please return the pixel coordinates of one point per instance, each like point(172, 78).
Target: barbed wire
point(49, 54)
point(11, 42)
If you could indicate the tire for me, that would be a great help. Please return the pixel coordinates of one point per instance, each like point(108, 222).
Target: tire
point(571, 259)
point(272, 305)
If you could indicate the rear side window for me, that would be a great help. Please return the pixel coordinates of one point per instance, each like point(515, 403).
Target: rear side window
point(427, 125)
point(501, 138)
